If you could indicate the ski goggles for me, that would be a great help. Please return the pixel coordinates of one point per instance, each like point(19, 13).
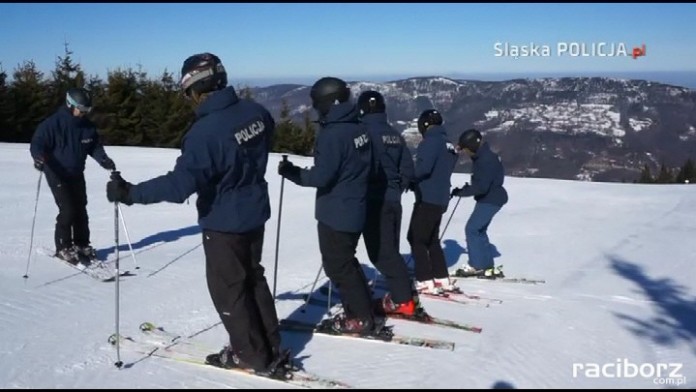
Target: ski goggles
point(197, 75)
point(80, 107)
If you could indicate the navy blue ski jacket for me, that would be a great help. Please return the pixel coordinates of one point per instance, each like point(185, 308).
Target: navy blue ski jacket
point(223, 159)
point(435, 161)
point(63, 141)
point(342, 161)
point(487, 177)
point(392, 163)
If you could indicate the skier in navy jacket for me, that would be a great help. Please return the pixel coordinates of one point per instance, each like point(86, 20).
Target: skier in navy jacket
point(223, 159)
point(435, 161)
point(392, 172)
point(342, 161)
point(487, 177)
point(59, 148)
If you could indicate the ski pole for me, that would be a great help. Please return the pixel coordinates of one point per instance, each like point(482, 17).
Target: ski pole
point(130, 246)
point(312, 289)
point(33, 221)
point(328, 304)
point(119, 363)
point(280, 211)
point(450, 218)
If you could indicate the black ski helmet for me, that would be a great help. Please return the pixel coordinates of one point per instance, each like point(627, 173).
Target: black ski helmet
point(371, 102)
point(79, 98)
point(202, 73)
point(470, 139)
point(327, 92)
point(427, 118)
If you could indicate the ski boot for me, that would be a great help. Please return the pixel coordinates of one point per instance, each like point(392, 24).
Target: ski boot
point(428, 287)
point(467, 270)
point(87, 254)
point(493, 273)
point(69, 255)
point(447, 285)
point(342, 324)
point(281, 367)
point(388, 307)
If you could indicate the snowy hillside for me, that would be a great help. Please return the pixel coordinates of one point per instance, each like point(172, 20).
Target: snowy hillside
point(618, 260)
point(596, 129)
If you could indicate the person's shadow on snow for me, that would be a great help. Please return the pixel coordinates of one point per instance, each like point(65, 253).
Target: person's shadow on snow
point(163, 236)
point(502, 385)
point(311, 311)
point(671, 321)
point(453, 251)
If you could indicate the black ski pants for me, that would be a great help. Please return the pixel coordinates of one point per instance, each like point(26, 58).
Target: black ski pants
point(241, 294)
point(72, 222)
point(345, 272)
point(382, 237)
point(424, 237)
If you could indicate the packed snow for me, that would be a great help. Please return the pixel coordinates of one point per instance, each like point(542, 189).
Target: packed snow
point(618, 260)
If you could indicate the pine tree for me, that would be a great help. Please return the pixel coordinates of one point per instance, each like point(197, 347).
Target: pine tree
point(29, 102)
point(98, 115)
point(687, 172)
point(66, 75)
point(665, 176)
point(180, 115)
point(121, 103)
point(645, 176)
point(167, 115)
point(284, 131)
point(309, 135)
point(5, 108)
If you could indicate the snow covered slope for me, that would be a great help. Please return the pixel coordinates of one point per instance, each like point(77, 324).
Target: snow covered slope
point(618, 260)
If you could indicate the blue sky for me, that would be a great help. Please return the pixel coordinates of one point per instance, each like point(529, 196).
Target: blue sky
point(368, 41)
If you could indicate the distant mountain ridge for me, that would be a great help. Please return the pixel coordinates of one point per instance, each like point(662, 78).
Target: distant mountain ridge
point(587, 128)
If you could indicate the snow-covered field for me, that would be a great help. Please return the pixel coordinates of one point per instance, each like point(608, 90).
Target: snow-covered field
point(618, 259)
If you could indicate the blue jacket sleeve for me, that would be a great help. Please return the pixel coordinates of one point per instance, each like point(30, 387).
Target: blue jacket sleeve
point(425, 161)
point(192, 170)
point(271, 129)
point(97, 151)
point(481, 181)
point(327, 162)
point(406, 169)
point(41, 143)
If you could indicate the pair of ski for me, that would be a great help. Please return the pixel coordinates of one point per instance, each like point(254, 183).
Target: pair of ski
point(424, 318)
point(157, 342)
point(459, 297)
point(97, 269)
point(386, 335)
point(497, 276)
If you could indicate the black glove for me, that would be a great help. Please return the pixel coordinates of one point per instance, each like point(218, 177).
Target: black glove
point(118, 189)
point(108, 164)
point(288, 170)
point(38, 164)
point(404, 184)
point(459, 192)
